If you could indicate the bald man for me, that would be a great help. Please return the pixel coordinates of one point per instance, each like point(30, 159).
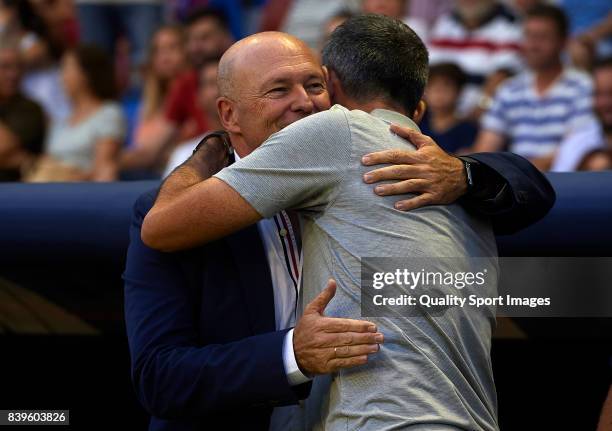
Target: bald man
point(268, 82)
point(429, 371)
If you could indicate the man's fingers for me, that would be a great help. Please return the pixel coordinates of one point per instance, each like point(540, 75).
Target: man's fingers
point(355, 361)
point(337, 324)
point(416, 138)
point(351, 339)
point(401, 187)
point(351, 351)
point(415, 202)
point(320, 302)
point(390, 157)
point(395, 172)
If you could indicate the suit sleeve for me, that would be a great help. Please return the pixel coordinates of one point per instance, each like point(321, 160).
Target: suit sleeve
point(175, 377)
point(527, 196)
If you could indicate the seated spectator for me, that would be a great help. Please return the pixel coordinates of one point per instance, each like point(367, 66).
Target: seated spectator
point(591, 148)
point(208, 37)
point(429, 11)
point(22, 121)
point(167, 61)
point(536, 110)
point(208, 92)
point(521, 7)
point(102, 22)
point(590, 31)
point(330, 25)
point(43, 84)
point(441, 120)
point(397, 9)
point(302, 18)
point(481, 37)
point(21, 26)
point(85, 147)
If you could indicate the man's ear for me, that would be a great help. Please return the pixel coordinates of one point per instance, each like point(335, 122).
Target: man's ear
point(419, 111)
point(328, 83)
point(227, 115)
point(334, 88)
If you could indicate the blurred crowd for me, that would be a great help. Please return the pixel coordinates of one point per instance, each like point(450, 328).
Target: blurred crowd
point(104, 90)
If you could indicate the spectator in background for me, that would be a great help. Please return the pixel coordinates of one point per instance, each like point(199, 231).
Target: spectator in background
point(481, 37)
point(85, 147)
point(208, 92)
point(397, 9)
point(539, 108)
point(591, 148)
point(21, 26)
point(167, 60)
point(521, 7)
point(590, 29)
point(441, 121)
point(429, 10)
point(331, 24)
point(303, 18)
point(103, 21)
point(22, 121)
point(43, 84)
point(208, 37)
point(240, 13)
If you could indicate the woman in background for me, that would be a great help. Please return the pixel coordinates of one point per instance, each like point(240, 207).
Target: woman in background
point(166, 61)
point(85, 147)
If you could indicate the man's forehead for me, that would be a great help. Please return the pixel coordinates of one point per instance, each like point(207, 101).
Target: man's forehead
point(282, 65)
point(291, 71)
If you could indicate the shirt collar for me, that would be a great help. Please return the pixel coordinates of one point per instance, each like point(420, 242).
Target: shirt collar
point(395, 118)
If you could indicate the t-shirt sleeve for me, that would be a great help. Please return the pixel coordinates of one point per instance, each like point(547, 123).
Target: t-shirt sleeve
point(300, 167)
point(110, 123)
point(582, 116)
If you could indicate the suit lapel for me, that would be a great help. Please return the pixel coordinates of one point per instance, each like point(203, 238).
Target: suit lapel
point(255, 278)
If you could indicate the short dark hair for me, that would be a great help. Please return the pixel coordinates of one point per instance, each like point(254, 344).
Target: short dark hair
point(552, 13)
point(97, 66)
point(450, 71)
point(376, 56)
point(208, 13)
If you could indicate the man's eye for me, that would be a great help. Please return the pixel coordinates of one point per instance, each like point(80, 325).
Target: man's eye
point(316, 86)
point(277, 90)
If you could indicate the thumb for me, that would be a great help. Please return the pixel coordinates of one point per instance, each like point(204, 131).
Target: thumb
point(416, 138)
point(320, 302)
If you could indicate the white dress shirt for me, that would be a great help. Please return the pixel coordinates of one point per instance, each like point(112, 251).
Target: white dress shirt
point(283, 285)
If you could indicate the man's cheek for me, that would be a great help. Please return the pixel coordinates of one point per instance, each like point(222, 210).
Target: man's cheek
point(322, 103)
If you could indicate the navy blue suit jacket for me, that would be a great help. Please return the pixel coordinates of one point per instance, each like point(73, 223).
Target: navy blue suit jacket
point(528, 196)
point(201, 332)
point(200, 323)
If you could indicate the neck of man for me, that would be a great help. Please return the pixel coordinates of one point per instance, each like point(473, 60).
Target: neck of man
point(239, 144)
point(547, 75)
point(371, 105)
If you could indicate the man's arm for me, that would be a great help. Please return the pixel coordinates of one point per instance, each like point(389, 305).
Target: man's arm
point(177, 377)
point(168, 228)
point(511, 191)
point(488, 141)
point(298, 168)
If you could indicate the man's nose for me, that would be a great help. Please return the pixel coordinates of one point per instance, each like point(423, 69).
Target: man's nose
point(302, 101)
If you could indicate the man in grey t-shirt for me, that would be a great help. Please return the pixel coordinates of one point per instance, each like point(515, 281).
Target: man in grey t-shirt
point(434, 372)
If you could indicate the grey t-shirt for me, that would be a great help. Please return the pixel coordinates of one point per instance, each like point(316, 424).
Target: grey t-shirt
point(431, 373)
